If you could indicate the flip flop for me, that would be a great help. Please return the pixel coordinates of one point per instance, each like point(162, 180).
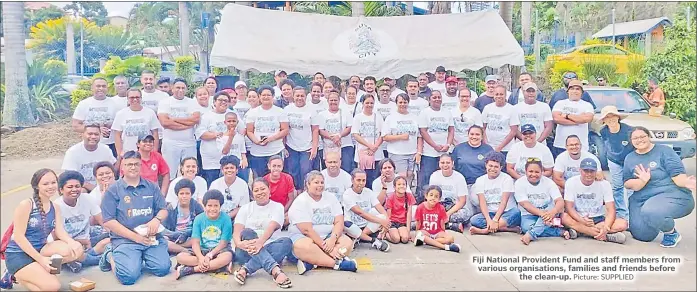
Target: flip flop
point(238, 276)
point(286, 283)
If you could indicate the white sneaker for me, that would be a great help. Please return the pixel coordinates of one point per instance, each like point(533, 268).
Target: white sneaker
point(419, 239)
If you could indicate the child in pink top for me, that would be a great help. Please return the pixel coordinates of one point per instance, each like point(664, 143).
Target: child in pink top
point(430, 222)
point(398, 205)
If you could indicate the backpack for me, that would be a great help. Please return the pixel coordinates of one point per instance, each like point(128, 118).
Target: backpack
point(6, 240)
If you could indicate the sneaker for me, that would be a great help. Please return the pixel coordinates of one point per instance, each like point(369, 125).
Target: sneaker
point(617, 237)
point(304, 267)
point(7, 281)
point(573, 234)
point(74, 267)
point(104, 263)
point(419, 239)
point(671, 239)
point(381, 245)
point(453, 247)
point(348, 265)
point(183, 271)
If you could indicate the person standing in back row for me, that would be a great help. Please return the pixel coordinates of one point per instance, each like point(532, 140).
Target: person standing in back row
point(179, 116)
point(500, 122)
point(572, 116)
point(562, 93)
point(437, 131)
point(97, 110)
point(439, 83)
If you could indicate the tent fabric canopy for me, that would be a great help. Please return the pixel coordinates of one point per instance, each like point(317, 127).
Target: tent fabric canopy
point(632, 27)
point(268, 40)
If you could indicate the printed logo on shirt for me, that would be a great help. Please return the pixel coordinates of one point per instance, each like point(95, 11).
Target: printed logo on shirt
point(437, 125)
point(322, 216)
point(653, 164)
point(496, 122)
point(368, 129)
point(480, 156)
point(98, 115)
point(153, 167)
point(569, 110)
point(625, 143)
point(33, 222)
point(179, 112)
point(210, 236)
point(266, 125)
point(127, 199)
point(295, 121)
point(408, 127)
point(430, 222)
point(586, 204)
point(139, 212)
point(539, 200)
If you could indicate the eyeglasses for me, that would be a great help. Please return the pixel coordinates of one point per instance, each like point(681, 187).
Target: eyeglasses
point(222, 100)
point(642, 137)
point(132, 165)
point(228, 196)
point(384, 90)
point(533, 159)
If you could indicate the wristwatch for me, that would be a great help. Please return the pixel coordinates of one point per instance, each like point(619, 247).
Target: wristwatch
point(384, 188)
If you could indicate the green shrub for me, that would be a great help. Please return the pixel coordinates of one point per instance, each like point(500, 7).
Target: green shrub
point(598, 68)
point(191, 88)
point(131, 68)
point(85, 84)
point(555, 70)
point(78, 95)
point(184, 67)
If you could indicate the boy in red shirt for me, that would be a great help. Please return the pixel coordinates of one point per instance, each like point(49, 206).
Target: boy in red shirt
point(430, 222)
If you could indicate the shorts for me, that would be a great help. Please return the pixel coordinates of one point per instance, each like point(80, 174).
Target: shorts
point(205, 251)
point(398, 225)
point(598, 219)
point(432, 236)
point(15, 261)
point(297, 236)
point(511, 216)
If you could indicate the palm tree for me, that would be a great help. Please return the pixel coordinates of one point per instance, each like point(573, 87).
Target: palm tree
point(525, 21)
point(184, 28)
point(410, 8)
point(440, 7)
point(506, 12)
point(17, 111)
point(369, 8)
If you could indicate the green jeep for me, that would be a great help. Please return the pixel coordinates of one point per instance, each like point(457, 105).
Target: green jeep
point(665, 130)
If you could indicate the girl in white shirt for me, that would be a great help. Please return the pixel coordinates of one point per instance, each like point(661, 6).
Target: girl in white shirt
point(188, 170)
point(211, 128)
point(303, 137)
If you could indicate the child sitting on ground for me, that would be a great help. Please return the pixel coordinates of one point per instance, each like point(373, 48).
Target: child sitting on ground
point(211, 235)
point(430, 222)
point(180, 217)
point(398, 205)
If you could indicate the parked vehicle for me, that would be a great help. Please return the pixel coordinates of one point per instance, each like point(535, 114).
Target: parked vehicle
point(665, 130)
point(597, 53)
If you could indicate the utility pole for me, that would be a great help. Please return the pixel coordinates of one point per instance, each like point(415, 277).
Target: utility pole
point(536, 45)
point(613, 26)
point(82, 46)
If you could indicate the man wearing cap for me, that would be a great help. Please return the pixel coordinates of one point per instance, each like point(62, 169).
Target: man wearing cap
point(242, 106)
point(394, 91)
point(279, 77)
point(439, 83)
point(488, 96)
point(590, 208)
point(450, 98)
point(153, 166)
point(528, 148)
point(572, 116)
point(424, 90)
point(601, 81)
point(615, 135)
point(524, 79)
point(567, 163)
point(133, 122)
point(562, 93)
point(535, 112)
point(462, 84)
point(82, 156)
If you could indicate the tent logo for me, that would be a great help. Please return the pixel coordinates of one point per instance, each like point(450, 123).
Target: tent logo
point(363, 42)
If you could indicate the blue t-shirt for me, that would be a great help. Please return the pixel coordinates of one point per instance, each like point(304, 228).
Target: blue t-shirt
point(664, 164)
point(561, 94)
point(469, 161)
point(211, 232)
point(131, 206)
point(482, 101)
point(617, 145)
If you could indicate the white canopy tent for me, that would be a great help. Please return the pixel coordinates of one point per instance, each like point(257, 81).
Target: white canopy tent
point(268, 40)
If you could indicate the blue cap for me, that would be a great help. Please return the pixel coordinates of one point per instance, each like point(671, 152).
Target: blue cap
point(527, 128)
point(589, 164)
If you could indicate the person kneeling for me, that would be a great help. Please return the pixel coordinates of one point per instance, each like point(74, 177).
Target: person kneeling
point(584, 206)
point(430, 222)
point(211, 235)
point(366, 215)
point(180, 217)
point(494, 190)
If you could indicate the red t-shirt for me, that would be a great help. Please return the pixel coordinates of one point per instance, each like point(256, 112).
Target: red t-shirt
point(396, 204)
point(150, 169)
point(431, 220)
point(281, 188)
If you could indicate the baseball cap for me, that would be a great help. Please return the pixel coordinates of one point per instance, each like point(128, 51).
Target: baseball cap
point(575, 83)
point(279, 72)
point(529, 85)
point(147, 137)
point(491, 78)
point(600, 79)
point(240, 83)
point(461, 75)
point(527, 128)
point(589, 164)
point(451, 79)
point(440, 69)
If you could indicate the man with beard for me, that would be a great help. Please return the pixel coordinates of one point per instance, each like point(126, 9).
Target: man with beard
point(97, 110)
point(370, 86)
point(416, 104)
point(450, 98)
point(164, 85)
point(562, 93)
point(394, 91)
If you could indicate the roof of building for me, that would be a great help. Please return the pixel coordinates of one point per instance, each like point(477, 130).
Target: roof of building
point(632, 27)
point(37, 5)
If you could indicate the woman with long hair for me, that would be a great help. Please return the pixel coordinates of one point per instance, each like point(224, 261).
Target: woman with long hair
point(366, 129)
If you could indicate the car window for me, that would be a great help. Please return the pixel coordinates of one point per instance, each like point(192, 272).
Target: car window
point(568, 51)
point(618, 52)
point(592, 51)
point(625, 100)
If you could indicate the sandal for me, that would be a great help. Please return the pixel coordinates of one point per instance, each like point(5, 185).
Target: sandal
point(285, 284)
point(239, 278)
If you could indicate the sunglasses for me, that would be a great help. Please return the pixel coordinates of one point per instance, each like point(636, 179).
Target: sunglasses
point(533, 159)
point(570, 76)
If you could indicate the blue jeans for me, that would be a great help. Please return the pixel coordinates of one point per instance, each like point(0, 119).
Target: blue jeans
point(91, 258)
point(318, 163)
point(428, 166)
point(535, 226)
point(298, 164)
point(618, 190)
point(270, 256)
point(210, 175)
point(199, 161)
point(656, 214)
point(259, 164)
point(512, 218)
point(131, 258)
point(97, 233)
point(347, 163)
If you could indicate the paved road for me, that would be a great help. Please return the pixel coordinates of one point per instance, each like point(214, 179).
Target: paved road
point(406, 267)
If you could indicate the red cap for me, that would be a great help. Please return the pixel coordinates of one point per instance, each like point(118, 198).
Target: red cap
point(451, 79)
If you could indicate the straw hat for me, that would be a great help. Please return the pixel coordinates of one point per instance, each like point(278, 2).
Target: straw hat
point(610, 109)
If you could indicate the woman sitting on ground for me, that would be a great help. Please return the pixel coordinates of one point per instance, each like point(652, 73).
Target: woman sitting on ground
point(28, 255)
point(188, 169)
point(497, 205)
point(384, 184)
point(257, 237)
point(180, 217)
point(317, 227)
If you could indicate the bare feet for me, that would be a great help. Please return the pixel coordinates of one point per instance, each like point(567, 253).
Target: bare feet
point(475, 230)
point(526, 239)
point(566, 235)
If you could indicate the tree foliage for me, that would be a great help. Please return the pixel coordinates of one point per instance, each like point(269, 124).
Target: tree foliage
point(32, 17)
point(371, 8)
point(93, 11)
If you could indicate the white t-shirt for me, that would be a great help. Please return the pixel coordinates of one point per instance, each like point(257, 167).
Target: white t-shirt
point(320, 213)
point(237, 147)
point(97, 112)
point(498, 122)
point(463, 122)
point(578, 107)
point(541, 196)
point(366, 201)
point(569, 166)
point(120, 102)
point(453, 186)
point(210, 154)
point(417, 105)
point(135, 124)
point(300, 121)
point(334, 123)
point(241, 108)
point(493, 190)
point(385, 109)
point(239, 190)
point(435, 85)
point(319, 107)
point(77, 158)
point(258, 218)
point(519, 154)
point(395, 92)
point(95, 195)
point(397, 124)
point(588, 201)
point(450, 102)
point(152, 100)
point(177, 108)
point(336, 185)
point(77, 219)
point(437, 124)
point(266, 123)
point(356, 108)
point(536, 115)
point(376, 186)
point(201, 189)
point(369, 128)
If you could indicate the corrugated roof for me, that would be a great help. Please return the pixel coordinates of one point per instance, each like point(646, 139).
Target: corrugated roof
point(632, 27)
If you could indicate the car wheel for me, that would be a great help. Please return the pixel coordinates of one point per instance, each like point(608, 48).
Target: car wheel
point(597, 148)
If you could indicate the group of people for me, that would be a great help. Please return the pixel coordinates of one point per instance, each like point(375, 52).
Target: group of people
point(259, 176)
